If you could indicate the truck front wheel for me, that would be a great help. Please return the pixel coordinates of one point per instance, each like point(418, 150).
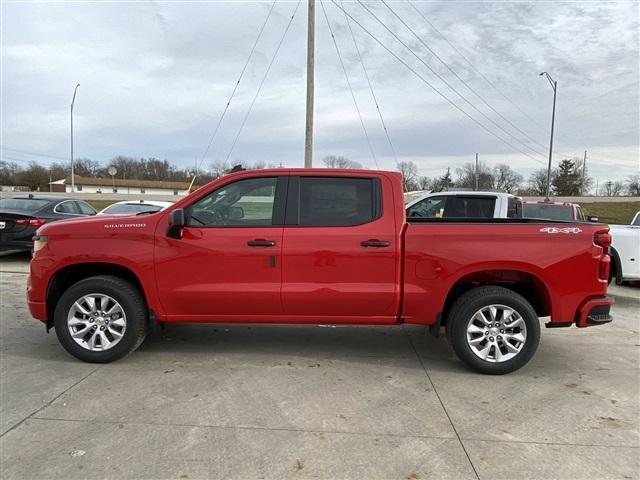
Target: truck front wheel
point(101, 319)
point(493, 330)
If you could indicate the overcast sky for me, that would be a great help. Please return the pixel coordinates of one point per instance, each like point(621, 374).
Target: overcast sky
point(155, 78)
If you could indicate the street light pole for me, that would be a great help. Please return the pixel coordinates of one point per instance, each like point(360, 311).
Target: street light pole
point(554, 85)
point(73, 100)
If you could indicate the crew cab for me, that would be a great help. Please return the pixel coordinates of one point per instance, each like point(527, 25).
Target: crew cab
point(462, 204)
point(317, 246)
point(625, 251)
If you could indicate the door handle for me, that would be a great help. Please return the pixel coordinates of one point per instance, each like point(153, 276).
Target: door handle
point(261, 242)
point(374, 243)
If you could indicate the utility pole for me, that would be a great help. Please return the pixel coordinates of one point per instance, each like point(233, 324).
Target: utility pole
point(584, 171)
point(73, 101)
point(554, 85)
point(308, 136)
point(477, 175)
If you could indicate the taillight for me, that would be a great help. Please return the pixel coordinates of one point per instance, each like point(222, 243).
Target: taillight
point(602, 239)
point(32, 222)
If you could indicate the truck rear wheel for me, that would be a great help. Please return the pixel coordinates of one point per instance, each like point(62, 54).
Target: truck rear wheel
point(101, 319)
point(493, 330)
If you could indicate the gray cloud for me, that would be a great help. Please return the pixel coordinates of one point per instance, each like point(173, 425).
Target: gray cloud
point(156, 76)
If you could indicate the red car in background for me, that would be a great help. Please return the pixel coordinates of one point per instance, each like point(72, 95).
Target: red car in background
point(549, 210)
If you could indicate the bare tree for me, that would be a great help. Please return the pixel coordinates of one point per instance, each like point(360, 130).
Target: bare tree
point(466, 176)
point(426, 183)
point(612, 189)
point(633, 185)
point(538, 182)
point(409, 171)
point(505, 179)
point(219, 168)
point(332, 161)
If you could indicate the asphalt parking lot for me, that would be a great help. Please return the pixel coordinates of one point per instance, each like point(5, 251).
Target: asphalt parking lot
point(315, 402)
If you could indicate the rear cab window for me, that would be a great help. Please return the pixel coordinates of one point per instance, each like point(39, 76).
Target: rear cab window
point(514, 207)
point(548, 212)
point(22, 204)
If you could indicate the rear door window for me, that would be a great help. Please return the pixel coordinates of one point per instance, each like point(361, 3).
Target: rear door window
point(69, 207)
point(337, 201)
point(85, 208)
point(470, 207)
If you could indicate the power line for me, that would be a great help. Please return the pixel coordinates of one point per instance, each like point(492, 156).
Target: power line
point(235, 88)
point(266, 73)
point(33, 154)
point(424, 80)
point(492, 84)
point(373, 95)
point(462, 97)
point(474, 68)
point(346, 76)
point(462, 80)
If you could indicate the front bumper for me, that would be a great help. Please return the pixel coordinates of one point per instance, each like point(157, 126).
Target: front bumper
point(595, 312)
point(38, 310)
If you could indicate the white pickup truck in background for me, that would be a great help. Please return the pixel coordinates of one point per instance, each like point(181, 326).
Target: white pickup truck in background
point(462, 204)
point(625, 251)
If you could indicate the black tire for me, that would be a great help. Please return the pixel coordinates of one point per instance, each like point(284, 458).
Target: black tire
point(465, 308)
point(132, 303)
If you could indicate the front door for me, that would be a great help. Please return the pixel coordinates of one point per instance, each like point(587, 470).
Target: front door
point(226, 266)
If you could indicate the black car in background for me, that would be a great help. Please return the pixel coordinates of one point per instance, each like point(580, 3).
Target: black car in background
point(20, 217)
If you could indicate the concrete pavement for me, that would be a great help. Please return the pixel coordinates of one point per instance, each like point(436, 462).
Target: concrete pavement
point(315, 402)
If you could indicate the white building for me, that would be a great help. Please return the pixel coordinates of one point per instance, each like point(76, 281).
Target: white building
point(126, 186)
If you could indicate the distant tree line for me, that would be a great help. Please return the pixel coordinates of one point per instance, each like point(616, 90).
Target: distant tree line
point(567, 179)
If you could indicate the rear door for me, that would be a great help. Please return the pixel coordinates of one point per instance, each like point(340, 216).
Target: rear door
point(340, 250)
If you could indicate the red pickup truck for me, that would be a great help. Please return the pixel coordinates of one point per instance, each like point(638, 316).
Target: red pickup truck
point(317, 246)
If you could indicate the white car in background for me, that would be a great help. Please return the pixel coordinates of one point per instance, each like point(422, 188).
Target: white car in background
point(133, 207)
point(625, 251)
point(462, 204)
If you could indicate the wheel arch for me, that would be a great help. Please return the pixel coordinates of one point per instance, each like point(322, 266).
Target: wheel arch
point(616, 265)
point(71, 274)
point(523, 282)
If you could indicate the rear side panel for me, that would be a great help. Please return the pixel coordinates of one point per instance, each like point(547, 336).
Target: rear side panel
point(562, 259)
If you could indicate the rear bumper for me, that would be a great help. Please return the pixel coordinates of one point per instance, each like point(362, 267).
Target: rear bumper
point(16, 246)
point(595, 312)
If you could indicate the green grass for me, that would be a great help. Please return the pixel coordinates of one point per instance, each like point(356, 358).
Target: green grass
point(100, 204)
point(612, 212)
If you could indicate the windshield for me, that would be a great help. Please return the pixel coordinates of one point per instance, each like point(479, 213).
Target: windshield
point(131, 208)
point(636, 220)
point(550, 212)
point(22, 204)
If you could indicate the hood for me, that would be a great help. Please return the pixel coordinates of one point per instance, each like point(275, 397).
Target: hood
point(98, 224)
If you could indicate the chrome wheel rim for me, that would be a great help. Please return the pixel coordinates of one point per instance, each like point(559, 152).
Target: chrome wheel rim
point(96, 322)
point(496, 333)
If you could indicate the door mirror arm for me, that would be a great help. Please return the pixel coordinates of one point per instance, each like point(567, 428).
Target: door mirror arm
point(176, 223)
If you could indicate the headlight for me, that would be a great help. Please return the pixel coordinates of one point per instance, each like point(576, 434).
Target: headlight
point(39, 242)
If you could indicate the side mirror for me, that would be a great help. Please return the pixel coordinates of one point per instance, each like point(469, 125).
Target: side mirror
point(593, 219)
point(176, 223)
